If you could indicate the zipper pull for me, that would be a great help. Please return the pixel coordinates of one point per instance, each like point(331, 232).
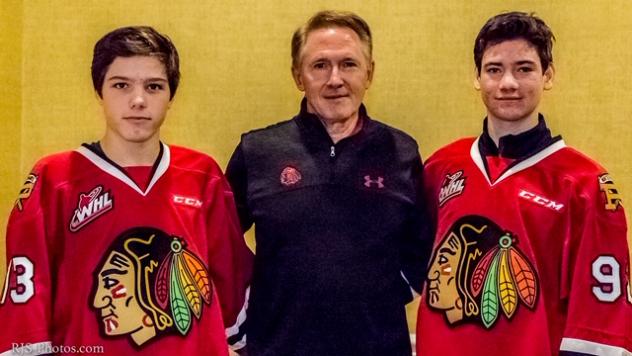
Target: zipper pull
point(333, 152)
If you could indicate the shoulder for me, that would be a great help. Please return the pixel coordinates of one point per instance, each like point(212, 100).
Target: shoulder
point(268, 131)
point(452, 151)
point(574, 162)
point(401, 138)
point(188, 159)
point(61, 164)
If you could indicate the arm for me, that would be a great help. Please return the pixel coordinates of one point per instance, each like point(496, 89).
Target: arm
point(595, 278)
point(230, 261)
point(25, 299)
point(417, 245)
point(237, 175)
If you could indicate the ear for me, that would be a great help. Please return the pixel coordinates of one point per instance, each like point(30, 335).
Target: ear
point(477, 79)
point(296, 74)
point(549, 74)
point(370, 72)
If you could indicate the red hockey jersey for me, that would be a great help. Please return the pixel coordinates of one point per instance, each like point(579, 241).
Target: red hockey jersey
point(98, 265)
point(533, 263)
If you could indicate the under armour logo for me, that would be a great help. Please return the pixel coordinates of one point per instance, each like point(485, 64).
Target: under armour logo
point(379, 181)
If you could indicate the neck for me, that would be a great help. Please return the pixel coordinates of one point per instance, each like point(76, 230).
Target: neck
point(499, 128)
point(143, 334)
point(338, 130)
point(125, 153)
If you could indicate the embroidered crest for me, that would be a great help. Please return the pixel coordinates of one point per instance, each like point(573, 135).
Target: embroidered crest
point(613, 198)
point(452, 186)
point(290, 176)
point(149, 285)
point(377, 182)
point(25, 191)
point(478, 274)
point(90, 207)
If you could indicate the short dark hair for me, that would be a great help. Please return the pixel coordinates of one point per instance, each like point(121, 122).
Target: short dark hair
point(514, 25)
point(331, 18)
point(135, 41)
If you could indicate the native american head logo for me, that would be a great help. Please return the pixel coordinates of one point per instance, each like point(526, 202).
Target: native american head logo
point(478, 273)
point(148, 285)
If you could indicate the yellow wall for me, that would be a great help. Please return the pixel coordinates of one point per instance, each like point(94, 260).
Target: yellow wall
point(235, 66)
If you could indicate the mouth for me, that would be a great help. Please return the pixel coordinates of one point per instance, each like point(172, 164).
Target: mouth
point(509, 99)
point(137, 118)
point(336, 96)
point(110, 324)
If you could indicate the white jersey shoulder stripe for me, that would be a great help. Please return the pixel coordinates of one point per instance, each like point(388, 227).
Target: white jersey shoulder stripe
point(110, 169)
point(592, 348)
point(478, 160)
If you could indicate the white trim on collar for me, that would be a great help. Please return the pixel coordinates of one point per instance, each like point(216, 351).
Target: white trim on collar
point(478, 160)
point(110, 169)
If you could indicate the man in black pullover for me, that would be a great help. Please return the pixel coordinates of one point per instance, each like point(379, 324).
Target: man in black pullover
point(336, 200)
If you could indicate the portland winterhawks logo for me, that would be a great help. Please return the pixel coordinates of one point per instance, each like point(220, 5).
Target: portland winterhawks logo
point(90, 206)
point(149, 285)
point(478, 274)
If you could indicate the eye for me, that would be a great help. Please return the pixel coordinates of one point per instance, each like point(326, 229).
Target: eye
point(120, 85)
point(349, 64)
point(155, 87)
point(109, 282)
point(525, 69)
point(442, 259)
point(319, 65)
point(492, 70)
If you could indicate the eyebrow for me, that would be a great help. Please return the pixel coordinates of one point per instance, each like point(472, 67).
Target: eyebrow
point(110, 271)
point(447, 250)
point(120, 77)
point(522, 62)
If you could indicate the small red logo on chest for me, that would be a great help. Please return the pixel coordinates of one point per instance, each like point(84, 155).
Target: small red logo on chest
point(290, 176)
point(540, 200)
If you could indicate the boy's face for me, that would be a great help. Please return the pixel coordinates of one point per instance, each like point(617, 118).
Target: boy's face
point(135, 99)
point(511, 81)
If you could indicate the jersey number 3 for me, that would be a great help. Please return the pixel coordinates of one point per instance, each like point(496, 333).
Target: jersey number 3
point(605, 269)
point(19, 281)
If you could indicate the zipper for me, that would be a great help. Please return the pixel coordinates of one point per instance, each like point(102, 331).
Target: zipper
point(332, 153)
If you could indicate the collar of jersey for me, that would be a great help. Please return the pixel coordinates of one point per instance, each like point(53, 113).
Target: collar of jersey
point(118, 173)
point(479, 160)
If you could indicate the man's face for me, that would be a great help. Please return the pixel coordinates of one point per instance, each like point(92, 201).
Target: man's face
point(334, 72)
point(442, 276)
point(115, 296)
point(511, 81)
point(135, 99)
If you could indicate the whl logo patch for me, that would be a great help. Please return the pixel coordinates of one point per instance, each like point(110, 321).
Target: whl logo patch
point(90, 207)
point(452, 186)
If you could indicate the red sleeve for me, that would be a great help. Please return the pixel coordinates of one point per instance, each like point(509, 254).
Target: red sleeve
point(230, 260)
point(597, 263)
point(25, 302)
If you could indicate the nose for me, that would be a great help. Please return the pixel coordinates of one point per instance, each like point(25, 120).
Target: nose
point(508, 81)
point(138, 100)
point(335, 77)
point(101, 299)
